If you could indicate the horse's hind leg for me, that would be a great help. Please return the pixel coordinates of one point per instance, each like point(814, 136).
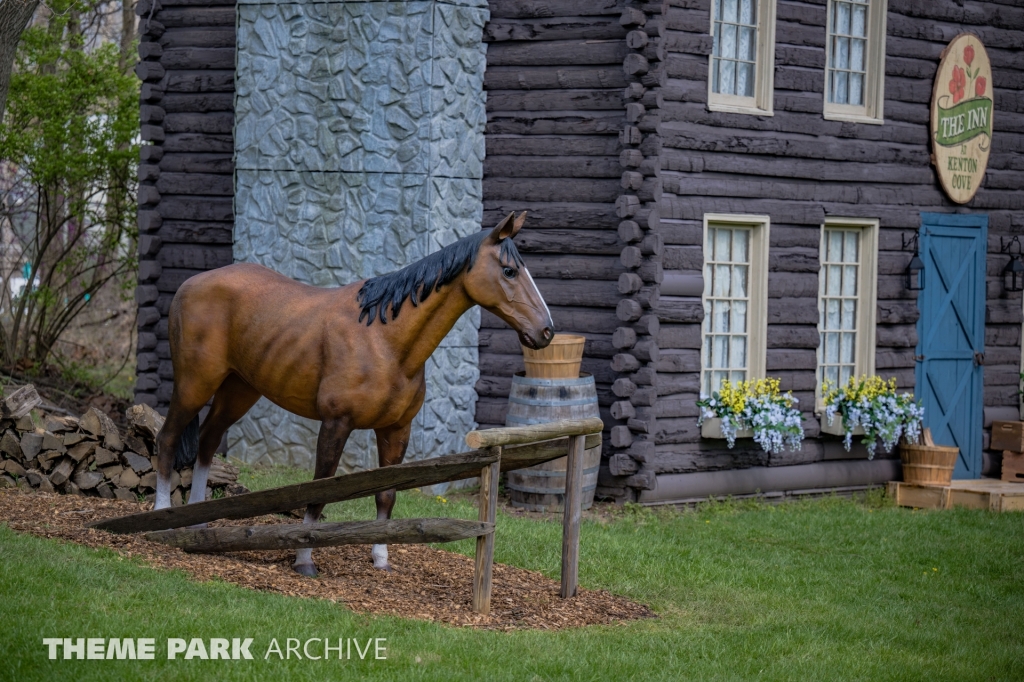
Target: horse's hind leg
point(230, 403)
point(391, 445)
point(329, 446)
point(186, 401)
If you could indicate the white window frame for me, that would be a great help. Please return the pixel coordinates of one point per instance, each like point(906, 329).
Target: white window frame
point(757, 288)
point(762, 103)
point(872, 111)
point(867, 297)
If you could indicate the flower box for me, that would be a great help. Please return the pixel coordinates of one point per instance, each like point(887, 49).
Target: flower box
point(712, 428)
point(836, 427)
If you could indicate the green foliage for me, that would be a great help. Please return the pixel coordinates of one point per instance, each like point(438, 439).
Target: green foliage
point(68, 142)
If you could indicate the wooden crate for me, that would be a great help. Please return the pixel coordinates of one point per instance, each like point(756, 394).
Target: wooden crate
point(985, 493)
point(1007, 436)
point(1013, 467)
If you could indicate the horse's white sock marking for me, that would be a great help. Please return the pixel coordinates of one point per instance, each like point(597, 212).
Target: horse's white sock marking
point(305, 555)
point(199, 477)
point(163, 492)
point(380, 556)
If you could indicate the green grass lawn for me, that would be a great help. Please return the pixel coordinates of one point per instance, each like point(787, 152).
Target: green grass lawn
point(826, 589)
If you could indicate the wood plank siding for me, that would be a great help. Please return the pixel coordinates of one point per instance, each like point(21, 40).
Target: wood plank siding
point(187, 52)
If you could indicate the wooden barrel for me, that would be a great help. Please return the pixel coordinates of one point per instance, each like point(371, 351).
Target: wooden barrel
point(928, 464)
point(536, 401)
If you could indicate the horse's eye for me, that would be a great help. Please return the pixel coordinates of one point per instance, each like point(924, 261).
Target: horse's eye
point(510, 272)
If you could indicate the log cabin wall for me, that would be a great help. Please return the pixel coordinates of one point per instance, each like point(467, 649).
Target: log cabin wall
point(798, 168)
point(554, 85)
point(187, 68)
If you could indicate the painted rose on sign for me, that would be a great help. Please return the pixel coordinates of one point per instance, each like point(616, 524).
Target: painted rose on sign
point(961, 117)
point(957, 84)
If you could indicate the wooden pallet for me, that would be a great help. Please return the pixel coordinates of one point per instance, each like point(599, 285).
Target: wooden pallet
point(984, 493)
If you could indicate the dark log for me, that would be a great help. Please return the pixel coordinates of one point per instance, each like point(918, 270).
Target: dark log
point(555, 53)
point(546, 78)
point(555, 100)
point(322, 491)
point(680, 310)
point(552, 28)
point(523, 9)
point(296, 535)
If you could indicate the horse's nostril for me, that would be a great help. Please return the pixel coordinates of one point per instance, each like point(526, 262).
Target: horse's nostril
point(547, 333)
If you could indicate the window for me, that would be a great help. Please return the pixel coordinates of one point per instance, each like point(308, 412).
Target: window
point(735, 299)
point(743, 56)
point(846, 300)
point(855, 60)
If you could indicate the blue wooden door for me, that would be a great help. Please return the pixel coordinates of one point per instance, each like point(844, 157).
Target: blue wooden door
point(951, 333)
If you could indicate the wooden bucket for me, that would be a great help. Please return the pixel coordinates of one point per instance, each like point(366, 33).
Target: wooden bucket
point(928, 464)
point(560, 360)
point(536, 401)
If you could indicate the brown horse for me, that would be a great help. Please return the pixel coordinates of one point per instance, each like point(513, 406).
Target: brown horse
point(243, 331)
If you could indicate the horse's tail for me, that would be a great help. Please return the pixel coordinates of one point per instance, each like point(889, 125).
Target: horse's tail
point(188, 446)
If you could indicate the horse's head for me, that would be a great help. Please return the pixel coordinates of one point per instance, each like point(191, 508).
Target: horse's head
point(499, 282)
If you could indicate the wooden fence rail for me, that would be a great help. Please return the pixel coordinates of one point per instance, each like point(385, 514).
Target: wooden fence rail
point(499, 450)
point(299, 535)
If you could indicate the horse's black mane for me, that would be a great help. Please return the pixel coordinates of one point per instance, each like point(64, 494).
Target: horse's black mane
point(418, 280)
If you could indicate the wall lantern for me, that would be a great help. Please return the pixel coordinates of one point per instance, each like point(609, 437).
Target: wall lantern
point(1013, 273)
point(913, 276)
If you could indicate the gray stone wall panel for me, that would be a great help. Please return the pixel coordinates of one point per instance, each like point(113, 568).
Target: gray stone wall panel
point(359, 149)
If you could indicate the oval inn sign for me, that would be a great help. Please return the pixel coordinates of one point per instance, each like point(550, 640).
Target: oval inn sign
point(961, 117)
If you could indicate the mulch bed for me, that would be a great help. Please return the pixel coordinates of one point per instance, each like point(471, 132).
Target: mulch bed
point(426, 583)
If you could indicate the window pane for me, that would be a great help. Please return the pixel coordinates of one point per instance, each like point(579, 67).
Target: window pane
point(729, 11)
point(859, 24)
point(721, 319)
point(831, 348)
point(845, 372)
point(834, 254)
point(720, 355)
point(722, 250)
point(846, 348)
point(748, 44)
point(857, 55)
point(832, 374)
point(739, 281)
point(739, 245)
point(849, 280)
point(738, 351)
point(840, 84)
point(832, 314)
point(850, 248)
point(849, 309)
point(745, 79)
point(842, 18)
point(739, 317)
point(856, 88)
point(833, 279)
point(747, 10)
point(721, 280)
point(729, 41)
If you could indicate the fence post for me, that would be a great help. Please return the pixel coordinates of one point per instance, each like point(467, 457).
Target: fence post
point(571, 519)
point(484, 562)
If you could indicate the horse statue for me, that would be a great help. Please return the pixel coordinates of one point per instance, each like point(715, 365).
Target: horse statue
point(243, 331)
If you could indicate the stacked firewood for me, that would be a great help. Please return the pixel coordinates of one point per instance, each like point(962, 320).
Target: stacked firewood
point(90, 455)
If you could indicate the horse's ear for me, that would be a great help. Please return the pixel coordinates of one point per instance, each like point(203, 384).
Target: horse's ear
point(506, 228)
point(518, 225)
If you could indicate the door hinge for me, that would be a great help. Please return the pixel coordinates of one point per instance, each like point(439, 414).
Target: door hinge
point(979, 359)
point(919, 358)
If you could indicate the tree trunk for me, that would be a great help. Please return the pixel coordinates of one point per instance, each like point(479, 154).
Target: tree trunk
point(14, 17)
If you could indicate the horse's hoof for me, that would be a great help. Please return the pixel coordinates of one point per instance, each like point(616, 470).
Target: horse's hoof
point(308, 570)
point(386, 568)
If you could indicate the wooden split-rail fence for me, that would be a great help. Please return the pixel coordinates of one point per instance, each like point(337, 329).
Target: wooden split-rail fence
point(494, 451)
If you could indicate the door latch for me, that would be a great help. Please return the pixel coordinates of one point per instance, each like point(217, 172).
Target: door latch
point(918, 358)
point(979, 359)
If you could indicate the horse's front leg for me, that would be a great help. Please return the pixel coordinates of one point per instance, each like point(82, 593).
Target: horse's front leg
point(391, 445)
point(329, 446)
